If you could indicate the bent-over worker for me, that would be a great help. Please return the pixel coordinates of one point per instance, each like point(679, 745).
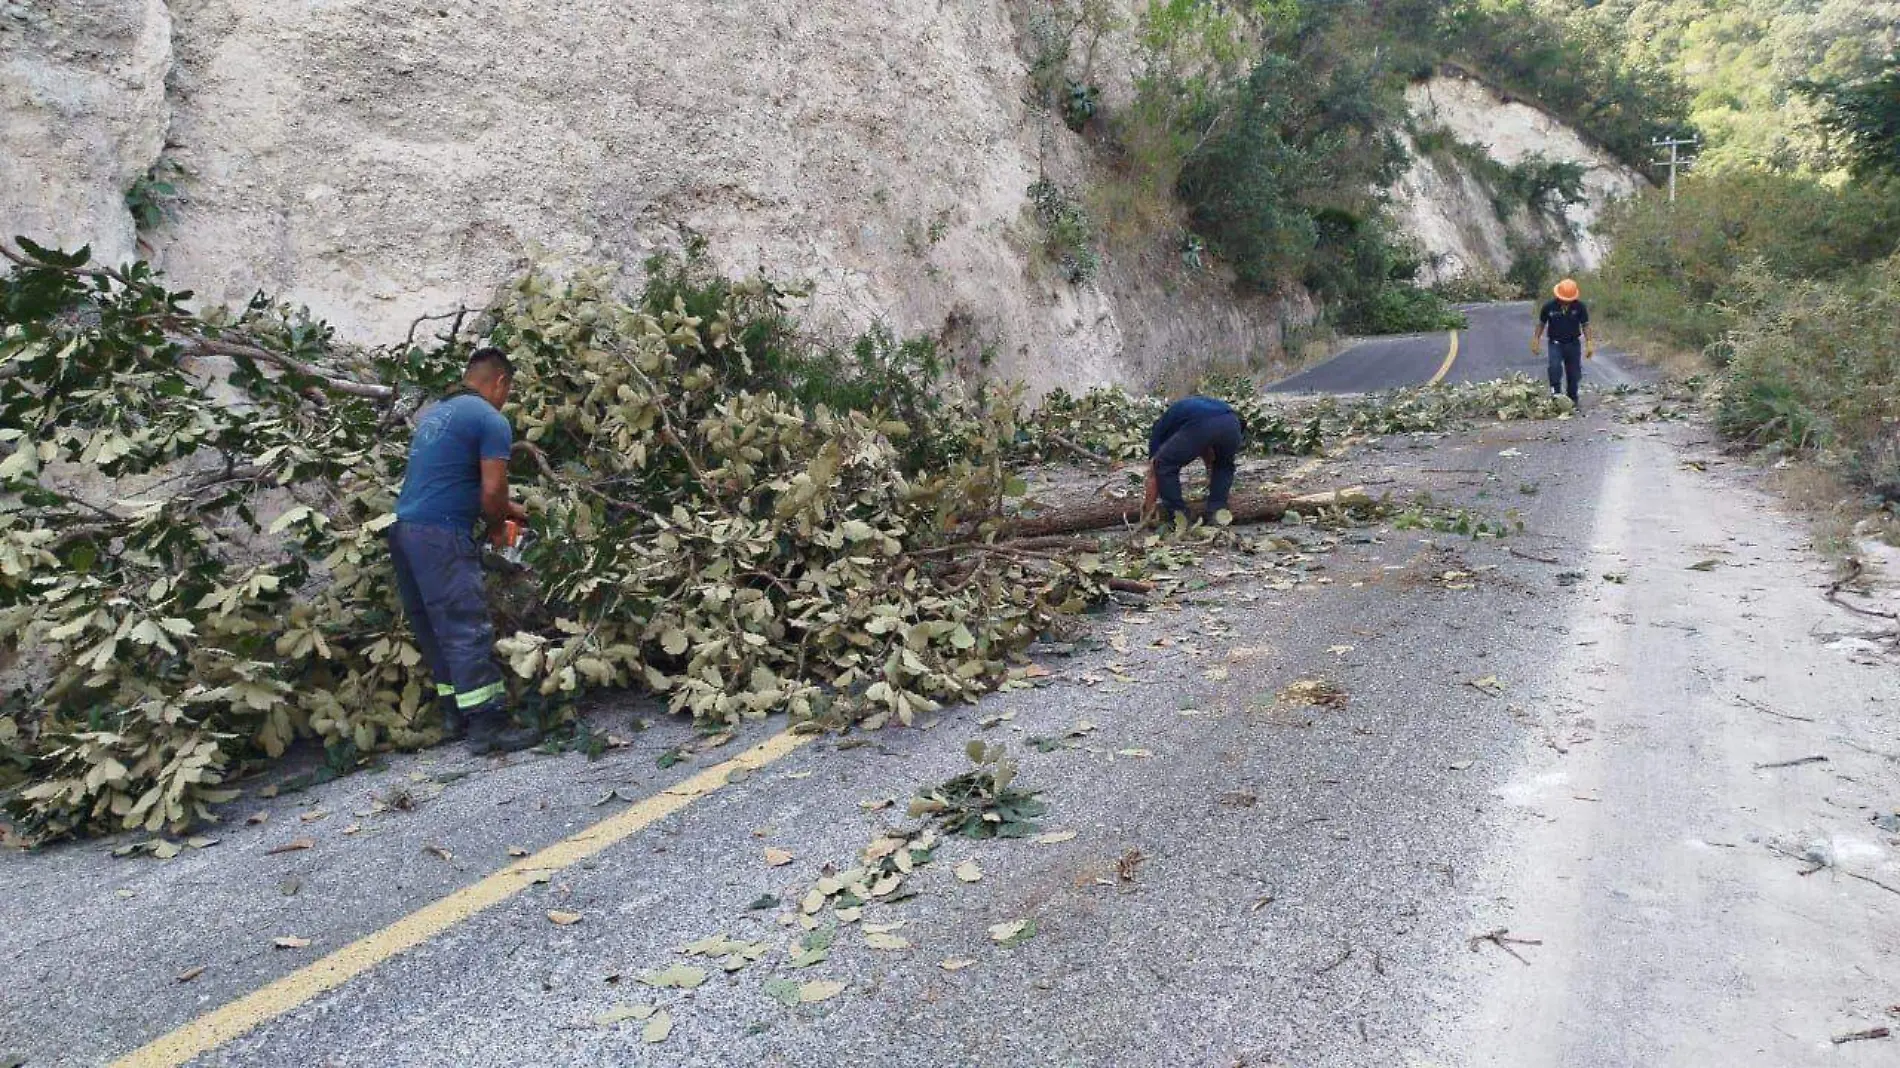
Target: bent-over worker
point(1203, 428)
point(458, 471)
point(1568, 322)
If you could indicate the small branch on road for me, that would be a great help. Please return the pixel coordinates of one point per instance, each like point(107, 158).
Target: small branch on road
point(1502, 939)
point(1343, 958)
point(1819, 864)
point(1795, 763)
point(1522, 555)
point(1861, 1036)
point(1855, 569)
point(1888, 887)
point(1759, 707)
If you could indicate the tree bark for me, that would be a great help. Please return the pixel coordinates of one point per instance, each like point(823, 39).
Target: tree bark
point(1105, 515)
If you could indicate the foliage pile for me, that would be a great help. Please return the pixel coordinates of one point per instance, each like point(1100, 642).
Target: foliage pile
point(981, 802)
point(188, 583)
point(1112, 423)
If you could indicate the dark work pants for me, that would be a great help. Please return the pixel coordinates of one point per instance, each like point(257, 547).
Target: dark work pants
point(439, 577)
point(1566, 367)
point(1221, 433)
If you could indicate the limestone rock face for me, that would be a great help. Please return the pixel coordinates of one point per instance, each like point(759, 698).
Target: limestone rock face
point(379, 160)
point(1452, 213)
point(83, 113)
point(383, 160)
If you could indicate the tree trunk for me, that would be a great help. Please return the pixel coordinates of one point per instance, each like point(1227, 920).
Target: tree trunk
point(1105, 515)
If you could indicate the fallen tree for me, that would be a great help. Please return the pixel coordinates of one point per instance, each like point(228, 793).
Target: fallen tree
point(192, 574)
point(1241, 508)
point(191, 568)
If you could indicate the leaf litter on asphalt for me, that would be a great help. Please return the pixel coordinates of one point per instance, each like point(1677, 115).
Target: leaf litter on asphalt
point(1012, 934)
point(657, 1028)
point(621, 1013)
point(819, 990)
point(679, 977)
point(1318, 693)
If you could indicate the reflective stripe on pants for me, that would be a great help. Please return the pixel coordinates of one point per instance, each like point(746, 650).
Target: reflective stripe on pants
point(439, 578)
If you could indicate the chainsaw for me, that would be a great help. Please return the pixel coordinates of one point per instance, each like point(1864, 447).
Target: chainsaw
point(516, 537)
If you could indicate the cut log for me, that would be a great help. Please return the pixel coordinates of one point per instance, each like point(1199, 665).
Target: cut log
point(1246, 508)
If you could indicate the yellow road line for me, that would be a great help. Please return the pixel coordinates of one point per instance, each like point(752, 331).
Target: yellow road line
point(237, 1018)
point(1451, 356)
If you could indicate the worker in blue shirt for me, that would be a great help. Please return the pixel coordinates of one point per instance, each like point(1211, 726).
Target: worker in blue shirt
point(1203, 428)
point(458, 472)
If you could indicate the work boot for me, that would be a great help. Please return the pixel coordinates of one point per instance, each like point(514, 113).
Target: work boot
point(454, 724)
point(492, 730)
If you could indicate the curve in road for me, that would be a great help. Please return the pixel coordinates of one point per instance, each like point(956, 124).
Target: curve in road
point(1494, 345)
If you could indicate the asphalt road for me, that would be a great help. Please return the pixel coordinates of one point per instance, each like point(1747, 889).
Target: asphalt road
point(1495, 344)
point(1570, 733)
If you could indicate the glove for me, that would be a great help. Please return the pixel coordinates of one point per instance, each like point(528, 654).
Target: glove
point(1590, 353)
point(1533, 346)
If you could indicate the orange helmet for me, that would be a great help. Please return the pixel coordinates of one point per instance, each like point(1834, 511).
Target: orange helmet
point(1567, 289)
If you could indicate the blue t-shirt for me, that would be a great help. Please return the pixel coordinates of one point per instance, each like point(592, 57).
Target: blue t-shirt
point(1183, 412)
point(443, 486)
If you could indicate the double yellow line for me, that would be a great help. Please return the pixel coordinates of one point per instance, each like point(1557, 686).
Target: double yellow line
point(239, 1017)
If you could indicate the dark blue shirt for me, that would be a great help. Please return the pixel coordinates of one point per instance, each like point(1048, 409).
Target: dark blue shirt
point(443, 486)
point(1183, 412)
point(1565, 322)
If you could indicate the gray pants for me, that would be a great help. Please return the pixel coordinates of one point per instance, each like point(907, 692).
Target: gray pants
point(439, 578)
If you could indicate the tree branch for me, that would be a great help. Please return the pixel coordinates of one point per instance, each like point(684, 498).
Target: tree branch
point(215, 346)
point(220, 347)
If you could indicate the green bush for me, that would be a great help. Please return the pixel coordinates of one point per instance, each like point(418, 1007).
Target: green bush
point(1067, 231)
point(1283, 185)
point(1815, 366)
point(152, 196)
point(1672, 268)
point(1403, 309)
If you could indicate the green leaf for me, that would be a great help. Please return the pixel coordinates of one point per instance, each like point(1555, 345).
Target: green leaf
point(1013, 934)
point(674, 641)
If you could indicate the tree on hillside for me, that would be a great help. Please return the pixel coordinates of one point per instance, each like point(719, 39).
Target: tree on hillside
point(1865, 117)
point(1743, 60)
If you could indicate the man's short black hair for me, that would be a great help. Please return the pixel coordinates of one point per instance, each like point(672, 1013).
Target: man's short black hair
point(487, 361)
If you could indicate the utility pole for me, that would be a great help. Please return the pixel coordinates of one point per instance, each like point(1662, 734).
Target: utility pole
point(1676, 161)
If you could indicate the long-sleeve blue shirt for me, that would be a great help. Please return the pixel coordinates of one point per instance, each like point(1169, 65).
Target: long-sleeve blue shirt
point(1180, 414)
